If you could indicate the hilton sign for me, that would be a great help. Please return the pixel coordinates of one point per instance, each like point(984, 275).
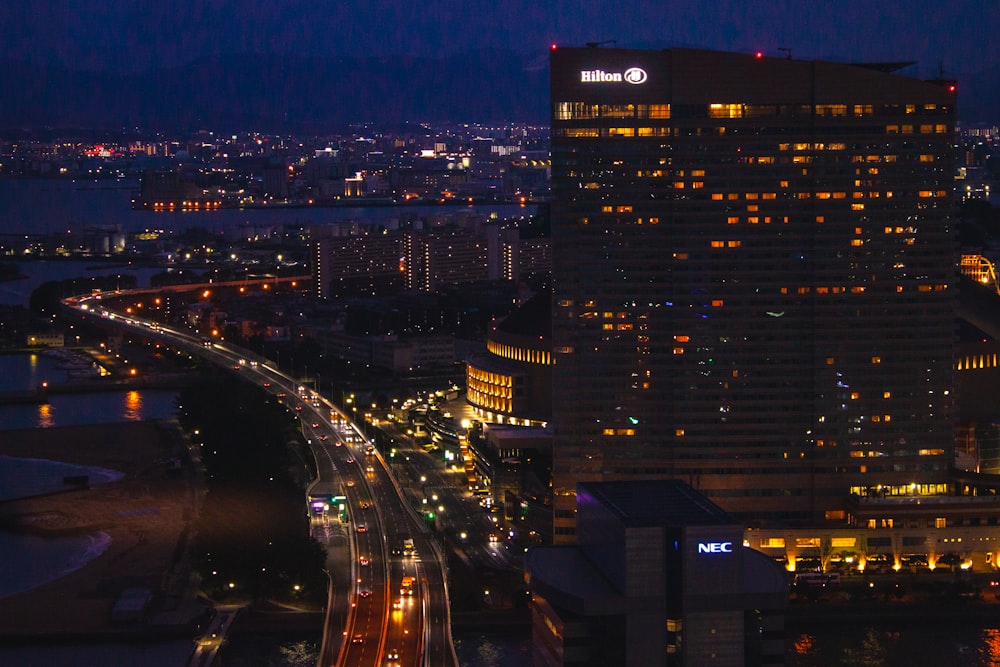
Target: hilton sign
point(633, 75)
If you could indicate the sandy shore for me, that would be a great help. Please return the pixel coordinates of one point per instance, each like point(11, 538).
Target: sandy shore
point(145, 513)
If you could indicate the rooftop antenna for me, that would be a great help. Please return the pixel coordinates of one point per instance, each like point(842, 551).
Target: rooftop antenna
point(594, 45)
point(786, 50)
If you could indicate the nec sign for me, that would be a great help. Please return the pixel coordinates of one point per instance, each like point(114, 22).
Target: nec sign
point(715, 547)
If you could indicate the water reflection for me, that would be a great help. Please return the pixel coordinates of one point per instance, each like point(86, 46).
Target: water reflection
point(45, 417)
point(100, 408)
point(803, 644)
point(133, 406)
point(990, 650)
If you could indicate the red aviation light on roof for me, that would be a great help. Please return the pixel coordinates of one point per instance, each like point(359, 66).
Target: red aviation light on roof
point(759, 54)
point(552, 47)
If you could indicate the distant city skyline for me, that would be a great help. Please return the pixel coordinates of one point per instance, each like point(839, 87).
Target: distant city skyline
point(123, 35)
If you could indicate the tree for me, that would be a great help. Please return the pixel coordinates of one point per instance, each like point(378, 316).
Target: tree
point(871, 653)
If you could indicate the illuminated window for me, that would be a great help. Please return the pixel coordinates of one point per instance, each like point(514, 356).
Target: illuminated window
point(659, 111)
point(716, 303)
point(940, 522)
point(718, 244)
point(725, 111)
point(831, 109)
point(857, 207)
point(733, 244)
point(843, 542)
point(678, 350)
point(878, 360)
point(854, 395)
point(679, 432)
point(716, 196)
point(773, 543)
point(733, 219)
point(617, 110)
point(682, 339)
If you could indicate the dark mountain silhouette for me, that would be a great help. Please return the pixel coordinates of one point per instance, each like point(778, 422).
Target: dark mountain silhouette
point(275, 93)
point(979, 97)
point(313, 94)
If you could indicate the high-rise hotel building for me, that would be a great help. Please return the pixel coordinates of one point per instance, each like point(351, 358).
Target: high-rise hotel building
point(754, 280)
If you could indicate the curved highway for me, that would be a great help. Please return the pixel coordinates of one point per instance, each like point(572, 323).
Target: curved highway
point(388, 603)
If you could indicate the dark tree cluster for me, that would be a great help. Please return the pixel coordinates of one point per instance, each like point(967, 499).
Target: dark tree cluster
point(252, 536)
point(45, 300)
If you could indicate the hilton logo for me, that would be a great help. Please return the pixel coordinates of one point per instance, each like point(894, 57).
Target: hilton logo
point(715, 547)
point(633, 75)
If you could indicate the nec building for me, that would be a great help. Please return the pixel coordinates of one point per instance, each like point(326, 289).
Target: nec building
point(753, 280)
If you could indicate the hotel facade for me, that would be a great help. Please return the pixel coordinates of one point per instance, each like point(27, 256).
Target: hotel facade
point(754, 283)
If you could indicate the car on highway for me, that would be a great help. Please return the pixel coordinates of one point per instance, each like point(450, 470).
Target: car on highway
point(358, 639)
point(351, 460)
point(364, 560)
point(350, 482)
point(324, 437)
point(392, 655)
point(364, 593)
point(397, 603)
point(362, 528)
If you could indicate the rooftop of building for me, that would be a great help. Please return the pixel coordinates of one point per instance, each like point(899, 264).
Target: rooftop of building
point(533, 319)
point(655, 503)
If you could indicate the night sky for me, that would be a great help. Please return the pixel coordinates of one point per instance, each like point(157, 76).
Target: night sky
point(131, 35)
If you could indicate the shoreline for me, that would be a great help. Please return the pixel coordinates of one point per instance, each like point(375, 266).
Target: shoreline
point(145, 514)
